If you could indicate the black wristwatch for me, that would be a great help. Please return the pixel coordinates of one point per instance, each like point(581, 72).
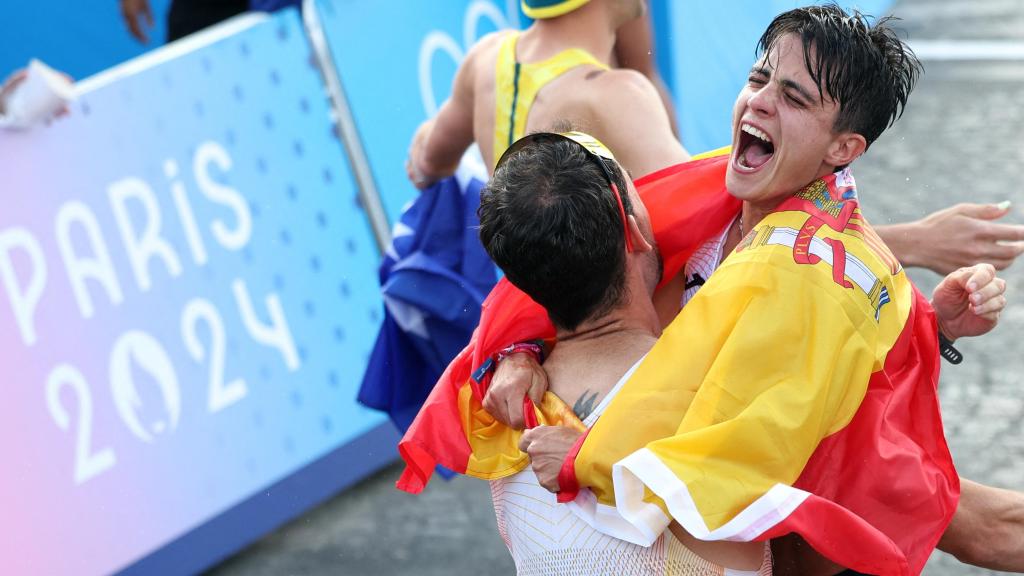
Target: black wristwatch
point(947, 351)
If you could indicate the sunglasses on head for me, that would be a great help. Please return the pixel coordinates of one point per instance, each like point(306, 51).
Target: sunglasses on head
point(594, 149)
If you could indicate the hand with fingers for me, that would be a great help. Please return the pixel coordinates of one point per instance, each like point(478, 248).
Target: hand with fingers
point(134, 13)
point(547, 447)
point(963, 235)
point(413, 163)
point(968, 301)
point(9, 85)
point(517, 376)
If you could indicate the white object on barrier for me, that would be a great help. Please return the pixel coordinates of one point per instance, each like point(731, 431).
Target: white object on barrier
point(39, 97)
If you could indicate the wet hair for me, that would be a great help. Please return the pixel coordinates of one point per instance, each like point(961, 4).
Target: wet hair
point(866, 69)
point(549, 220)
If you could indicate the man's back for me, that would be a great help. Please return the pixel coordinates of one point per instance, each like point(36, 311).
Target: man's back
point(582, 373)
point(619, 107)
point(522, 85)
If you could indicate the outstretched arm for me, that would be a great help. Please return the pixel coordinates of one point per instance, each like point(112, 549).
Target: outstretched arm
point(987, 529)
point(439, 142)
point(961, 235)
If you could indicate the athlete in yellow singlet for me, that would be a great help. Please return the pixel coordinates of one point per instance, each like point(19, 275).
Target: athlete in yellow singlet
point(518, 83)
point(557, 70)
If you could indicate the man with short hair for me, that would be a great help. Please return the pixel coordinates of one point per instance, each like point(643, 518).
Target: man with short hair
point(796, 390)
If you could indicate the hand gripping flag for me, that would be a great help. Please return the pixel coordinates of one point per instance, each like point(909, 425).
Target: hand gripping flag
point(453, 429)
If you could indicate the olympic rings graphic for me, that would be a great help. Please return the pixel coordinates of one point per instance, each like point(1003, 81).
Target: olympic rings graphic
point(437, 40)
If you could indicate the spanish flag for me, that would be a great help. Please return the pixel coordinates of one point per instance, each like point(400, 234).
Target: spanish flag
point(796, 392)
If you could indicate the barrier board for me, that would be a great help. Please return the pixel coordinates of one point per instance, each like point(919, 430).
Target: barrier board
point(189, 299)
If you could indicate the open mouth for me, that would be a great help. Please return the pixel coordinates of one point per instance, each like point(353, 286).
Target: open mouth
point(755, 148)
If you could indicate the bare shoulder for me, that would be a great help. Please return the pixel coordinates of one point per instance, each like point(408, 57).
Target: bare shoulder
point(597, 96)
point(477, 63)
point(486, 48)
point(628, 115)
point(623, 86)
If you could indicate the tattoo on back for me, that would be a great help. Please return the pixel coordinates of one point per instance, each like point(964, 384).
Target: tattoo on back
point(584, 404)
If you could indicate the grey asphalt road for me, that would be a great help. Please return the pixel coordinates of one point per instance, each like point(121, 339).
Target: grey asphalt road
point(960, 140)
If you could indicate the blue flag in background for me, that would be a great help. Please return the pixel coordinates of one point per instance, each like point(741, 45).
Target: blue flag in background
point(434, 277)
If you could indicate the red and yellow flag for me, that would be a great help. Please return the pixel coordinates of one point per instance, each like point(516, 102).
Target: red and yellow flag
point(453, 415)
point(796, 392)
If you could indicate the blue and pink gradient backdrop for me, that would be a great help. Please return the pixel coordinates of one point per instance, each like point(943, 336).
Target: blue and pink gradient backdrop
point(256, 96)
